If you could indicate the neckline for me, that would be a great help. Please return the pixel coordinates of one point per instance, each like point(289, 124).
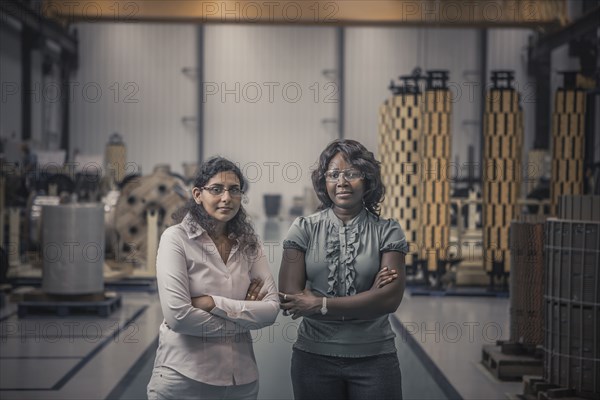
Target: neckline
point(354, 221)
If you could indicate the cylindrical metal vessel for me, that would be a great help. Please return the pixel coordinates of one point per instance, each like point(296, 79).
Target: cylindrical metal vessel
point(73, 249)
point(527, 283)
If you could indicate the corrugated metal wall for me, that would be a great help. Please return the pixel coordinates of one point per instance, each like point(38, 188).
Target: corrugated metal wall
point(268, 104)
point(130, 81)
point(270, 93)
point(507, 49)
point(457, 51)
point(374, 56)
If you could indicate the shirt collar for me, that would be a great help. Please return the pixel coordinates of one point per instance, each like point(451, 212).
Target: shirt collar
point(192, 228)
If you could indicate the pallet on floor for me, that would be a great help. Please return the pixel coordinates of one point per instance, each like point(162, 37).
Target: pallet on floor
point(536, 388)
point(38, 303)
point(132, 284)
point(128, 284)
point(509, 367)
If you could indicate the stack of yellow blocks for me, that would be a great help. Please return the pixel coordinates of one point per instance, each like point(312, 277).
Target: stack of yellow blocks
point(435, 194)
point(503, 141)
point(415, 152)
point(399, 133)
point(568, 140)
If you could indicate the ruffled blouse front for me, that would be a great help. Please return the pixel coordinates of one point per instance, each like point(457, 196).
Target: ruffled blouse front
point(340, 251)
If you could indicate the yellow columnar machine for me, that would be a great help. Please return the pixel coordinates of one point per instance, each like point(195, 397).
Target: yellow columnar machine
point(435, 154)
point(568, 140)
point(399, 133)
point(503, 140)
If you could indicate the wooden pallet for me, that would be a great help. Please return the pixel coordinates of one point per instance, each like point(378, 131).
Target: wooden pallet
point(43, 304)
point(509, 367)
point(536, 388)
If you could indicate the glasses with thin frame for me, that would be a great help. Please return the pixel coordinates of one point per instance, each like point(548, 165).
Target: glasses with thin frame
point(349, 175)
point(234, 191)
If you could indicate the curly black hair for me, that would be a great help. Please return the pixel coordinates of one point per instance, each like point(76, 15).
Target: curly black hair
point(238, 228)
point(360, 158)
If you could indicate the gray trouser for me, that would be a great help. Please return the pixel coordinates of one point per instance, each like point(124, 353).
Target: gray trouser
point(167, 384)
point(316, 376)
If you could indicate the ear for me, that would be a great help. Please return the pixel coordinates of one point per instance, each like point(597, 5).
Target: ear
point(197, 194)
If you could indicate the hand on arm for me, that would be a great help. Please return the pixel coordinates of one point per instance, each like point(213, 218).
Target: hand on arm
point(292, 282)
point(260, 305)
point(309, 304)
point(383, 297)
point(173, 287)
point(254, 290)
point(384, 277)
point(377, 301)
point(207, 303)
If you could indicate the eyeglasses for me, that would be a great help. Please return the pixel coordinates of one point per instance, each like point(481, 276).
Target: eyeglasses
point(349, 175)
point(235, 191)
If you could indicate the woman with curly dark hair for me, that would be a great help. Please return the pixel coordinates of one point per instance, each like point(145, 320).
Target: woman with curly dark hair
point(215, 285)
point(343, 271)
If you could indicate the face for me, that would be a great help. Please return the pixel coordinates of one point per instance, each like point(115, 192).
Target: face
point(345, 193)
point(222, 207)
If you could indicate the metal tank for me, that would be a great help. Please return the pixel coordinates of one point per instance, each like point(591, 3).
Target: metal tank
point(73, 249)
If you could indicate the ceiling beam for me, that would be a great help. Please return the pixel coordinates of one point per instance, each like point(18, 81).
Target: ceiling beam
point(455, 13)
point(578, 28)
point(32, 19)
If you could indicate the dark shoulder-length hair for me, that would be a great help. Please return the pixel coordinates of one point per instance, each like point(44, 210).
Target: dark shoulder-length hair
point(238, 228)
point(360, 158)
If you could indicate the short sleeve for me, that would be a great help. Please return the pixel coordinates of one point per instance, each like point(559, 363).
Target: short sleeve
point(393, 238)
point(298, 235)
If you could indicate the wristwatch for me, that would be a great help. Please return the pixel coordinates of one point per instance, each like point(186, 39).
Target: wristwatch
point(324, 307)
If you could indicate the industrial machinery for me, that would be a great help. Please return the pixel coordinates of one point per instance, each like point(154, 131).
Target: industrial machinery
point(135, 211)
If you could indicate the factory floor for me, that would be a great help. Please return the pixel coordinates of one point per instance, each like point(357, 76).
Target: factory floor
point(439, 342)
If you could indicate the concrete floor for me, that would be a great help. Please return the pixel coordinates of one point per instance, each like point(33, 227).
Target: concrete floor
point(439, 343)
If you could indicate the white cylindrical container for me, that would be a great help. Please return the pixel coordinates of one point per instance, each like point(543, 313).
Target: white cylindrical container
point(73, 249)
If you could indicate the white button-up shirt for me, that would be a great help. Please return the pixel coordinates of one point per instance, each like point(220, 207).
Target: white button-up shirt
point(211, 347)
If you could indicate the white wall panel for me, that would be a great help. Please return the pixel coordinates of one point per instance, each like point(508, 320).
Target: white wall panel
point(274, 134)
point(130, 81)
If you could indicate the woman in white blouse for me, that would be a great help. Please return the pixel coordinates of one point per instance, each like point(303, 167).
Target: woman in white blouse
point(215, 285)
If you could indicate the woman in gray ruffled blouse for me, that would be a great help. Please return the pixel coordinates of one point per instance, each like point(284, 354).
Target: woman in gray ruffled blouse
point(343, 271)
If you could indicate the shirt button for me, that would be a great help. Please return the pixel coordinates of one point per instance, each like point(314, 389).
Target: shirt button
point(226, 276)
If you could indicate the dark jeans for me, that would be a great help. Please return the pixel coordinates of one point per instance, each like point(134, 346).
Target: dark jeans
point(323, 377)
